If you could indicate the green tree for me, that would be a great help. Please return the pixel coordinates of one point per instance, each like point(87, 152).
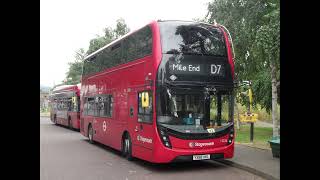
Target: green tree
point(267, 50)
point(73, 76)
point(121, 28)
point(254, 26)
point(110, 35)
point(96, 44)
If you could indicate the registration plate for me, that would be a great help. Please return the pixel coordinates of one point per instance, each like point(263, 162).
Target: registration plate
point(201, 157)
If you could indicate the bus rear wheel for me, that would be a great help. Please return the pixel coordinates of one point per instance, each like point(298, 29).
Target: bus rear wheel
point(70, 123)
point(55, 119)
point(127, 148)
point(90, 134)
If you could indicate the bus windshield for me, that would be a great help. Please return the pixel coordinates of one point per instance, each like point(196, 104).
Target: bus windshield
point(192, 39)
point(194, 109)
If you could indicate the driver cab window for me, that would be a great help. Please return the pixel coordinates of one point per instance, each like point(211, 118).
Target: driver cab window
point(220, 109)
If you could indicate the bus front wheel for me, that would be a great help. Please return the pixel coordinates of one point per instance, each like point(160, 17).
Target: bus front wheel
point(70, 123)
point(90, 134)
point(55, 119)
point(127, 148)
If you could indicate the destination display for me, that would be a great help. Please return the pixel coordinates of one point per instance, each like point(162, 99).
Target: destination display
point(213, 69)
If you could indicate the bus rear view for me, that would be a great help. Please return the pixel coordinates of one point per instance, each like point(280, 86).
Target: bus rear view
point(194, 93)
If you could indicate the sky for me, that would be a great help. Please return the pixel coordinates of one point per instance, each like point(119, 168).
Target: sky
point(68, 25)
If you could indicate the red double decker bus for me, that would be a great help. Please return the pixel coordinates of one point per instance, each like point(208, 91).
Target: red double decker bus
point(162, 93)
point(64, 104)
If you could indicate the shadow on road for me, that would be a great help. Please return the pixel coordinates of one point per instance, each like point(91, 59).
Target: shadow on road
point(180, 166)
point(66, 127)
point(166, 167)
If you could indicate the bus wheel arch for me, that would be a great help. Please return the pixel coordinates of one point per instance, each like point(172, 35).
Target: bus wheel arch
point(70, 122)
point(126, 146)
point(90, 133)
point(55, 118)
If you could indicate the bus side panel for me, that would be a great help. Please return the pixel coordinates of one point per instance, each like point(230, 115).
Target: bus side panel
point(112, 135)
point(77, 121)
point(83, 125)
point(62, 117)
point(141, 133)
point(138, 148)
point(119, 122)
point(99, 131)
point(74, 120)
point(123, 115)
point(89, 120)
point(109, 129)
point(120, 83)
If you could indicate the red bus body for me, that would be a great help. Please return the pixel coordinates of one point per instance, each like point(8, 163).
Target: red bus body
point(67, 115)
point(124, 82)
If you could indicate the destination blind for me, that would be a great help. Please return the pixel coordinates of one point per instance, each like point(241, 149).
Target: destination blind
point(211, 69)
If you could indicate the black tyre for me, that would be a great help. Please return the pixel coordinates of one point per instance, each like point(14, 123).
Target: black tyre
point(127, 147)
point(90, 134)
point(55, 119)
point(70, 123)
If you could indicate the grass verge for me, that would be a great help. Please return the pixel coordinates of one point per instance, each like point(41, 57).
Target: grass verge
point(45, 114)
point(261, 135)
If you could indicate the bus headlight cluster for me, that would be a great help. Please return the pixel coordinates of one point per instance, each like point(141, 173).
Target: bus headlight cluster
point(231, 135)
point(165, 138)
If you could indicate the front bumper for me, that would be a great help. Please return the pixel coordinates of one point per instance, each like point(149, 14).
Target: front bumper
point(166, 155)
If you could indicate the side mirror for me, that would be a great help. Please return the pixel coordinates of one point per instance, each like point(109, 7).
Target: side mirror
point(145, 99)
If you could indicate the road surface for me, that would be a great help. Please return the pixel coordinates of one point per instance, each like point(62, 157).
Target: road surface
point(67, 155)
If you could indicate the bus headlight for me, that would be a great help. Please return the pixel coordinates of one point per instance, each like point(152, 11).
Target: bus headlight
point(164, 138)
point(231, 135)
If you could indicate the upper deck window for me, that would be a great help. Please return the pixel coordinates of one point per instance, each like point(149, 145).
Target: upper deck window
point(191, 38)
point(133, 47)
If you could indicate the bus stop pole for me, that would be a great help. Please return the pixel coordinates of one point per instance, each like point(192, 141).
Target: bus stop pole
point(251, 123)
point(251, 131)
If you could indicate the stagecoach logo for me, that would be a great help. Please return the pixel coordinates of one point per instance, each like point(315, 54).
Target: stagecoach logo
point(143, 139)
point(196, 144)
point(173, 77)
point(104, 126)
point(191, 144)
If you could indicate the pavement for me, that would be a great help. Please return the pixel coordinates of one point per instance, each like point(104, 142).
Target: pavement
point(67, 155)
point(263, 124)
point(254, 160)
point(259, 162)
point(44, 114)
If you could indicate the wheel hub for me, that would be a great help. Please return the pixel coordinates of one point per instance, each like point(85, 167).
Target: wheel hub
point(127, 145)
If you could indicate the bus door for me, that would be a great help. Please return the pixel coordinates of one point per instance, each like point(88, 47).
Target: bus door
point(104, 118)
point(140, 112)
point(89, 116)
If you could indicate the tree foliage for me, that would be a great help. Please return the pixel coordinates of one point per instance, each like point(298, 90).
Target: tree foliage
point(121, 28)
point(73, 75)
point(110, 35)
point(75, 68)
point(255, 28)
